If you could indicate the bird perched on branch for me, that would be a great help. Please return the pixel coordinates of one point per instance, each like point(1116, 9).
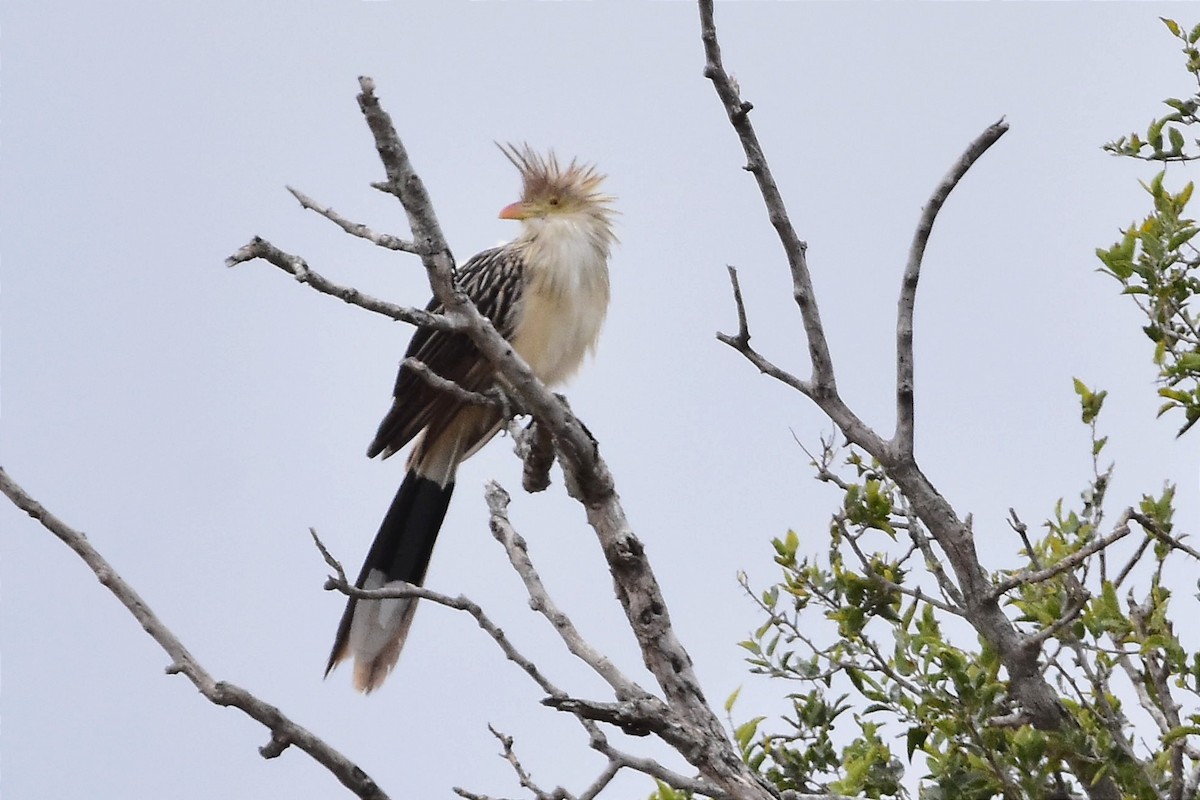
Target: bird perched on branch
point(546, 292)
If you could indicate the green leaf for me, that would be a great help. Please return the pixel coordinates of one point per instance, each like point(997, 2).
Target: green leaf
point(915, 740)
point(1121, 267)
point(732, 699)
point(1176, 139)
point(744, 733)
point(1154, 134)
point(1156, 185)
point(1172, 26)
point(1090, 402)
point(1181, 732)
point(1180, 238)
point(1184, 195)
point(1029, 744)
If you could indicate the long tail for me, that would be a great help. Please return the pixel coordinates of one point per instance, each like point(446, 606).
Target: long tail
point(373, 631)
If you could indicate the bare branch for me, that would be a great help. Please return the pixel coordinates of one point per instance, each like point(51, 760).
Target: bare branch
point(405, 184)
point(743, 334)
point(738, 112)
point(655, 770)
point(284, 731)
point(932, 562)
point(956, 539)
point(1022, 530)
point(385, 240)
point(602, 781)
point(540, 601)
point(493, 400)
point(635, 717)
point(1157, 532)
point(469, 795)
point(1068, 618)
point(523, 776)
point(1132, 562)
point(330, 561)
point(261, 248)
point(459, 603)
point(903, 439)
point(741, 343)
point(644, 712)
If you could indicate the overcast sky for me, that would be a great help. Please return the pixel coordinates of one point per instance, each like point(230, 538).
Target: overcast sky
point(195, 421)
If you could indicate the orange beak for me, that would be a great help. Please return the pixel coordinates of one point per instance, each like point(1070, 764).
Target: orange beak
point(514, 211)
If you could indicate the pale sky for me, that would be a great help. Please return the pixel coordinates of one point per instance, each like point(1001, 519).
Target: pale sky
point(195, 421)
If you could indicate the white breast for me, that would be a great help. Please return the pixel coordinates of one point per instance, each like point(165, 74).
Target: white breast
point(564, 302)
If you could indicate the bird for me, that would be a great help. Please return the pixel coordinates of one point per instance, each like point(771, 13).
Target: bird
point(547, 293)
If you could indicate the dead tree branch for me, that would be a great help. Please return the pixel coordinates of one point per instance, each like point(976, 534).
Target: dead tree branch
point(284, 732)
point(955, 538)
point(738, 111)
point(298, 267)
point(384, 240)
point(903, 439)
point(701, 740)
point(541, 602)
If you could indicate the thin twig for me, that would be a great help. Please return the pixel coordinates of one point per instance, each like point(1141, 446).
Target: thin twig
point(891, 586)
point(1157, 532)
point(459, 603)
point(523, 777)
point(540, 600)
point(934, 564)
point(741, 343)
point(492, 400)
point(1068, 618)
point(385, 240)
point(261, 248)
point(1022, 530)
point(743, 334)
point(1027, 577)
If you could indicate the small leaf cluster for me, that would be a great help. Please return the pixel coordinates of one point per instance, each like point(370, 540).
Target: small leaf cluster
point(664, 791)
point(895, 691)
point(1155, 260)
point(1152, 146)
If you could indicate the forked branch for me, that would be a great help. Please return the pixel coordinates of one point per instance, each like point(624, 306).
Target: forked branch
point(1020, 656)
point(738, 111)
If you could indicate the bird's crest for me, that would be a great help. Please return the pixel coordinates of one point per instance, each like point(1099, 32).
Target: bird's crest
point(574, 186)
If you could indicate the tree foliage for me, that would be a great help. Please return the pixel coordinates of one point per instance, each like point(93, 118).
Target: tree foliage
point(894, 691)
point(1155, 260)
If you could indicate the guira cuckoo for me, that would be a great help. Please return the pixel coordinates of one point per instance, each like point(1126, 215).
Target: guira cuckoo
point(547, 293)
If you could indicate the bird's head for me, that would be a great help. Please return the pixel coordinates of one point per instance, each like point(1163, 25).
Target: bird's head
point(553, 194)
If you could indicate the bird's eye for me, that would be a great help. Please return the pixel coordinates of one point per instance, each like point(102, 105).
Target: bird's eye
point(553, 201)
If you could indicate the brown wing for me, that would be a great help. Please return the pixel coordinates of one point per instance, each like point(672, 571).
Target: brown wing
point(493, 281)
